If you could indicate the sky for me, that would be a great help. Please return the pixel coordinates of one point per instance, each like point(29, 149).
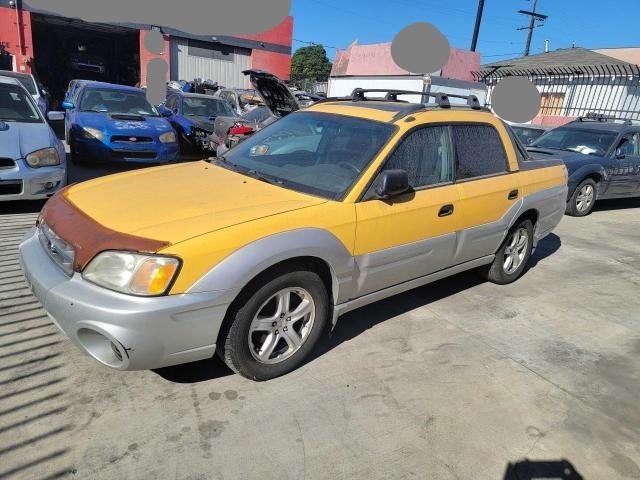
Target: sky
point(337, 23)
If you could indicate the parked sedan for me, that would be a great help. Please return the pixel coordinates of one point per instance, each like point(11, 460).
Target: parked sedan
point(115, 123)
point(192, 116)
point(32, 159)
point(602, 156)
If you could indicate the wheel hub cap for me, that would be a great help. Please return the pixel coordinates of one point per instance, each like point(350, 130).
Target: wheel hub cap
point(585, 198)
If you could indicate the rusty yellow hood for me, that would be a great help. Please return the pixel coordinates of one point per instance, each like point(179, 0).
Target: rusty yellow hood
point(178, 202)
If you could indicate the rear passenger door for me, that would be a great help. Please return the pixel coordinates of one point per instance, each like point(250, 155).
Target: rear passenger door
point(414, 234)
point(486, 188)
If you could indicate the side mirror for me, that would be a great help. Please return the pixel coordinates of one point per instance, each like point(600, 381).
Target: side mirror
point(55, 116)
point(620, 153)
point(68, 105)
point(391, 183)
point(165, 112)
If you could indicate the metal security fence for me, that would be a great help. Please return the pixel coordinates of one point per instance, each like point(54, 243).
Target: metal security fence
point(609, 90)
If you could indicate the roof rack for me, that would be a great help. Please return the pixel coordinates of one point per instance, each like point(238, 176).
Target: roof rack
point(601, 117)
point(441, 98)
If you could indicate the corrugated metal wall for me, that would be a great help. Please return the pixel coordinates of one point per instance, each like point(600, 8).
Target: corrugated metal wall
point(226, 73)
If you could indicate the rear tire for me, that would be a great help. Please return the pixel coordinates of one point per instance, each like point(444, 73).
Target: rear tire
point(512, 257)
point(272, 330)
point(583, 199)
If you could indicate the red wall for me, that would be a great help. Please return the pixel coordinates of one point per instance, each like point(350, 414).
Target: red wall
point(277, 63)
point(146, 55)
point(10, 37)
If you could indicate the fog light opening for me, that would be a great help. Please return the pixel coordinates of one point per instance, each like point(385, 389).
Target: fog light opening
point(49, 185)
point(106, 350)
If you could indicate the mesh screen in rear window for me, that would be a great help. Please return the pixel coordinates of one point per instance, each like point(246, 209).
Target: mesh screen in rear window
point(479, 151)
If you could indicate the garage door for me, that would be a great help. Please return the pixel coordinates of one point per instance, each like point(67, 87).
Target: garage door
point(221, 63)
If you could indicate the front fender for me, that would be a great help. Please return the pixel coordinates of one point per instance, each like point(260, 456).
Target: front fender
point(583, 172)
point(239, 268)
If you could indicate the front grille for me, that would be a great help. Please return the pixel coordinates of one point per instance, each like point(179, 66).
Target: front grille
point(7, 163)
point(132, 139)
point(120, 155)
point(11, 187)
point(61, 252)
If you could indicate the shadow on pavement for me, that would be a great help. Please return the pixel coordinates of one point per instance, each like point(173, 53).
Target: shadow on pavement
point(355, 323)
point(617, 204)
point(539, 469)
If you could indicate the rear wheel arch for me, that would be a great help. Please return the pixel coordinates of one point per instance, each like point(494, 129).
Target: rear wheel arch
point(532, 214)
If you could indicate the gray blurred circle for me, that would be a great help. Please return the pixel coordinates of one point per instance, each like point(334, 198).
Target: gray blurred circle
point(516, 99)
point(420, 48)
point(157, 70)
point(154, 41)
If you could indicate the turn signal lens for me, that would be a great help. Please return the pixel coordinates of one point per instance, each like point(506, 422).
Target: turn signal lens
point(154, 276)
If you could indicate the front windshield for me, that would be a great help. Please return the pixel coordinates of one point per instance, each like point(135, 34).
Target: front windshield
point(206, 107)
point(116, 101)
point(585, 141)
point(16, 105)
point(316, 153)
point(26, 81)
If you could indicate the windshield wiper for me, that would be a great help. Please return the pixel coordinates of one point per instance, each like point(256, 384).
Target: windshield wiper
point(259, 176)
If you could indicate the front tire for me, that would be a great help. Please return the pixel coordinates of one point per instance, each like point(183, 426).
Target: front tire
point(512, 257)
point(271, 331)
point(583, 199)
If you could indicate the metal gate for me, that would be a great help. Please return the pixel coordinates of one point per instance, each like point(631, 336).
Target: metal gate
point(608, 90)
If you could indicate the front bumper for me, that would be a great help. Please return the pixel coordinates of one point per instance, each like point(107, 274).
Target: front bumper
point(92, 150)
point(122, 331)
point(25, 183)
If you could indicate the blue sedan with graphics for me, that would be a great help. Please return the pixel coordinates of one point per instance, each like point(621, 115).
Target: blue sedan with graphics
point(116, 123)
point(193, 116)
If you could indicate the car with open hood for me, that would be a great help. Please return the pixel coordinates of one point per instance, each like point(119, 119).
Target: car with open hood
point(278, 101)
point(115, 123)
point(602, 156)
point(255, 254)
point(32, 159)
point(192, 116)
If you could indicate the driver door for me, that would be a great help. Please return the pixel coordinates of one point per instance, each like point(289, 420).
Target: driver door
point(414, 234)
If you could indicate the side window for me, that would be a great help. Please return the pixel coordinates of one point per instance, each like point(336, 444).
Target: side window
point(630, 145)
point(479, 151)
point(426, 156)
point(171, 102)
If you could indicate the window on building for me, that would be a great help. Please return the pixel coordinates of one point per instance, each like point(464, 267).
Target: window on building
point(210, 50)
point(479, 151)
point(551, 103)
point(426, 156)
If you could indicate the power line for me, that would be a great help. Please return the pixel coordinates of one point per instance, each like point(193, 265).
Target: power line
point(320, 44)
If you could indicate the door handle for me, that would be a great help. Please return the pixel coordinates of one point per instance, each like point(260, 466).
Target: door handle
point(513, 194)
point(445, 211)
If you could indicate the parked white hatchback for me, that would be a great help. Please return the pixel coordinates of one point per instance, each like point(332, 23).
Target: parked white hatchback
point(32, 158)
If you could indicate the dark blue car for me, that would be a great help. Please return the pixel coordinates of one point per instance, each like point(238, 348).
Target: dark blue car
point(193, 116)
point(114, 123)
point(602, 157)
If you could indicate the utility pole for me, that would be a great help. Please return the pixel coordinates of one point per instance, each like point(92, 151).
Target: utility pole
point(476, 29)
point(532, 24)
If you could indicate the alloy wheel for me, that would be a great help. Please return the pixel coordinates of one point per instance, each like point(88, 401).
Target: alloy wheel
point(585, 198)
point(515, 251)
point(281, 325)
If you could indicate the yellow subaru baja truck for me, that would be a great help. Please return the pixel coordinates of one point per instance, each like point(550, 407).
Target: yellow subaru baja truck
point(253, 255)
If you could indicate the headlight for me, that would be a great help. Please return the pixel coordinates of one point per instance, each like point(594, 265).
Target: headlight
point(43, 158)
point(168, 137)
point(90, 133)
point(132, 273)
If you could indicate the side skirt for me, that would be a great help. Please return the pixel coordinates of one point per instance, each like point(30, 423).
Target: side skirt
point(345, 307)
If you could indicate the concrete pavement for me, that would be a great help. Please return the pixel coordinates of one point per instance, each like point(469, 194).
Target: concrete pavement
point(453, 380)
